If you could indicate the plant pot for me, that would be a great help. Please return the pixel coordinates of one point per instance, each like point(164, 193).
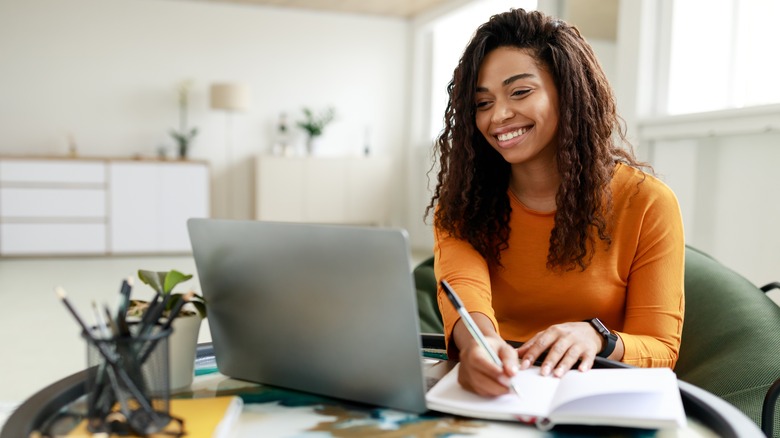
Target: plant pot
point(183, 148)
point(181, 350)
point(312, 145)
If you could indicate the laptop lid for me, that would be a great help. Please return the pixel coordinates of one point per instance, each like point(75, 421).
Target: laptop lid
point(325, 309)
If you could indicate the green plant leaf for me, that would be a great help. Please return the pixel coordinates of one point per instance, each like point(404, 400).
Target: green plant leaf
point(164, 282)
point(200, 305)
point(173, 278)
point(198, 301)
point(314, 124)
point(154, 279)
point(175, 298)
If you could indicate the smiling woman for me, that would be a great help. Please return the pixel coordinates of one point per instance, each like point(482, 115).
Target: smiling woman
point(544, 222)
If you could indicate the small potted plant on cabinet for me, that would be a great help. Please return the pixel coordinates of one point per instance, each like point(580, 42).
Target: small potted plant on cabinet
point(184, 135)
point(314, 125)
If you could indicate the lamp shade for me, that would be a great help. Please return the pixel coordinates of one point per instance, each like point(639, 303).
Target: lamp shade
point(230, 96)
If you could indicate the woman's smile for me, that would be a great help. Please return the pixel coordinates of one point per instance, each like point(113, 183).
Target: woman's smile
point(510, 138)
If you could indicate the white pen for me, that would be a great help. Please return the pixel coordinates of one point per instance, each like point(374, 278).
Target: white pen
point(476, 333)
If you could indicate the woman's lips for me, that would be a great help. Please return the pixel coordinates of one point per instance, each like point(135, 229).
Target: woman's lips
point(510, 138)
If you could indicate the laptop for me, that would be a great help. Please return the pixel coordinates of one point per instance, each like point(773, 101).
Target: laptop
point(325, 309)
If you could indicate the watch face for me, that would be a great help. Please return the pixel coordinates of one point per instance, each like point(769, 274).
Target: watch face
point(600, 327)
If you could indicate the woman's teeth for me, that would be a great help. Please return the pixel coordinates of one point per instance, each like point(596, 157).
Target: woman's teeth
point(513, 134)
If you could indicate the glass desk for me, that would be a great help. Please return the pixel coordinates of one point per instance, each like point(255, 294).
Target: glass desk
point(275, 412)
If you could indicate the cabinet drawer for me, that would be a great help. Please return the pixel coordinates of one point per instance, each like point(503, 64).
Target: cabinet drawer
point(52, 203)
point(41, 239)
point(52, 171)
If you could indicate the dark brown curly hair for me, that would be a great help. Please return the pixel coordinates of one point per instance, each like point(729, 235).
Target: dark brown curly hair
point(470, 200)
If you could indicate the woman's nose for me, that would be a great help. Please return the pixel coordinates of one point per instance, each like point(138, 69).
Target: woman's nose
point(501, 111)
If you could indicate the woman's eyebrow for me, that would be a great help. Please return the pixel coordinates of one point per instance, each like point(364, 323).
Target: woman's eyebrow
point(509, 80)
point(516, 77)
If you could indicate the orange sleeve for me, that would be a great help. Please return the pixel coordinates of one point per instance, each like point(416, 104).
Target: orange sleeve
point(467, 272)
point(655, 302)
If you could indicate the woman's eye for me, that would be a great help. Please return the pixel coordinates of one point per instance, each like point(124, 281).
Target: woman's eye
point(482, 104)
point(520, 92)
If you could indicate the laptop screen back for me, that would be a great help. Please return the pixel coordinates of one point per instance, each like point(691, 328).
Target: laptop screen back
point(324, 309)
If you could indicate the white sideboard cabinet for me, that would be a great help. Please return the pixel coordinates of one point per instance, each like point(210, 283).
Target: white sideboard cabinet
point(337, 190)
point(151, 202)
point(52, 207)
point(96, 206)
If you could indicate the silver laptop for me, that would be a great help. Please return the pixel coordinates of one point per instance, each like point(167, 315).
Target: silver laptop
point(324, 309)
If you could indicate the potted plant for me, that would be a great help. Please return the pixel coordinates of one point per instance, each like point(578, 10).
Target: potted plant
point(183, 136)
point(314, 125)
point(186, 323)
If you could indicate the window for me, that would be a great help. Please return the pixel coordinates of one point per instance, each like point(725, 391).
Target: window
point(723, 55)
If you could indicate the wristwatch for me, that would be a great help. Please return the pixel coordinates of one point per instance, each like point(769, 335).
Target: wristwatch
point(610, 339)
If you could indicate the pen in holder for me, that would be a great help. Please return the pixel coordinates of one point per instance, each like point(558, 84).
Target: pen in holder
point(128, 387)
point(128, 390)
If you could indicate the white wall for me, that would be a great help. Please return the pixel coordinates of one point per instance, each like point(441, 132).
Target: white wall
point(728, 190)
point(107, 71)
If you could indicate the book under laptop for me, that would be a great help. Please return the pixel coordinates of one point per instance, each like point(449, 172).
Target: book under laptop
point(326, 309)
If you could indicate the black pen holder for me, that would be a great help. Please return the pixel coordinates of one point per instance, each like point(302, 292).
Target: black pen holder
point(128, 390)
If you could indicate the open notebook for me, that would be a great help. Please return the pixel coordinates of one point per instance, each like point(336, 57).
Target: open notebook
point(630, 397)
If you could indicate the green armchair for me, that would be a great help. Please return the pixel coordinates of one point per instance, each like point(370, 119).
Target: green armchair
point(427, 304)
point(731, 337)
point(730, 340)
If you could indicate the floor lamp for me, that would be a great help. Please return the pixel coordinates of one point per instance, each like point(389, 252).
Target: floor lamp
point(229, 97)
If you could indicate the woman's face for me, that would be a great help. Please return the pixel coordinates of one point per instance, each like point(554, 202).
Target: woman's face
point(517, 106)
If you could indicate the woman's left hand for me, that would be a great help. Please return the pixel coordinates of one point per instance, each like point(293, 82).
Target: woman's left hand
point(565, 344)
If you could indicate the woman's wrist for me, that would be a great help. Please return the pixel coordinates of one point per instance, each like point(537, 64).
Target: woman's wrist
point(463, 339)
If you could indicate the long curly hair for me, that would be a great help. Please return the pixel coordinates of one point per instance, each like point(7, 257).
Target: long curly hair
point(470, 200)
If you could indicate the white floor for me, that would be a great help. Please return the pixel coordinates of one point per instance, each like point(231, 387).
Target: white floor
point(39, 340)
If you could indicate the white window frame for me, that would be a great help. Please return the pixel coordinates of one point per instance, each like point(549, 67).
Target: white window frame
point(646, 114)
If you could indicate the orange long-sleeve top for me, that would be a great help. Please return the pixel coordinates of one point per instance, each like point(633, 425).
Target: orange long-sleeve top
point(634, 285)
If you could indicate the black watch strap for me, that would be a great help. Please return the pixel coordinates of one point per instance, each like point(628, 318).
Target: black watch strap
point(610, 339)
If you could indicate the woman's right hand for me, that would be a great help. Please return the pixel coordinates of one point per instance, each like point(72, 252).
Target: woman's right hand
point(478, 373)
